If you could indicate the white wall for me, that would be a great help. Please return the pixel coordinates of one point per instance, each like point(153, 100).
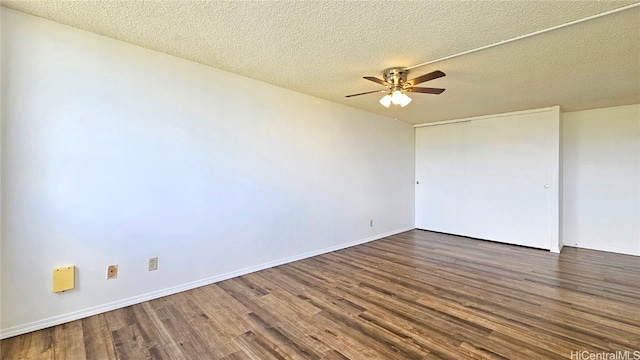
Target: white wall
point(113, 154)
point(602, 179)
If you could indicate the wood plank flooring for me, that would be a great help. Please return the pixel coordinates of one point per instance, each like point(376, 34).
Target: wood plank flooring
point(415, 295)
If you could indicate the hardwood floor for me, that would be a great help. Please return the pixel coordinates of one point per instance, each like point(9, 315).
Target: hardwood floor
point(410, 296)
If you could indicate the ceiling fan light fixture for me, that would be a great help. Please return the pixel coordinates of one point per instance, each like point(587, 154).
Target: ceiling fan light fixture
point(404, 100)
point(386, 101)
point(396, 97)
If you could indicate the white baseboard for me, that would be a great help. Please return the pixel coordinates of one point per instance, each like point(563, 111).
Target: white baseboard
point(600, 247)
point(61, 319)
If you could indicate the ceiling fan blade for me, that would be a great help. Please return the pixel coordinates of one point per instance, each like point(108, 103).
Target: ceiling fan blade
point(426, 77)
point(376, 80)
point(368, 92)
point(425, 90)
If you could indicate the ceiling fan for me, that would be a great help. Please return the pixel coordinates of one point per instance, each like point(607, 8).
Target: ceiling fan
point(395, 79)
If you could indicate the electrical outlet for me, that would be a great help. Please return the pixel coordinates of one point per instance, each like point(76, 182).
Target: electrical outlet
point(112, 272)
point(153, 263)
point(370, 223)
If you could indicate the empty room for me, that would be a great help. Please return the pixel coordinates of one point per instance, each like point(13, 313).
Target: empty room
point(320, 180)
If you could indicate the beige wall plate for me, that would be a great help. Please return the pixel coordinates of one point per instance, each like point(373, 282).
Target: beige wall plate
point(64, 278)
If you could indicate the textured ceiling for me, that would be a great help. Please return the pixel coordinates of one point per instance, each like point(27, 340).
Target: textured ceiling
point(323, 48)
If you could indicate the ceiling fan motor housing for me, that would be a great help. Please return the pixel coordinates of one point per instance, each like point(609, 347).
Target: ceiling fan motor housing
point(396, 77)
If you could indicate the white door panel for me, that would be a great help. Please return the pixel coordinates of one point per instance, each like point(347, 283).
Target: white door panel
point(511, 164)
point(441, 170)
point(486, 178)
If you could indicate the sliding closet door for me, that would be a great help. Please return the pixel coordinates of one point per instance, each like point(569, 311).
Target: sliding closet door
point(510, 195)
point(442, 171)
point(492, 178)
